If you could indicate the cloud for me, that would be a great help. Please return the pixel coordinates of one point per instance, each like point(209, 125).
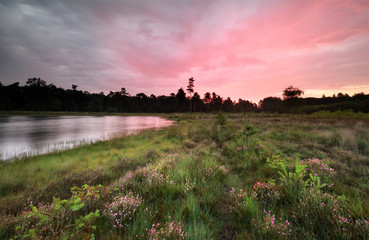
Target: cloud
point(243, 49)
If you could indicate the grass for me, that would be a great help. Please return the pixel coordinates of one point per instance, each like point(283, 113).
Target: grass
point(235, 176)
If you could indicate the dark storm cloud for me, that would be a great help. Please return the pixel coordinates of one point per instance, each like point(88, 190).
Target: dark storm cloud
point(47, 39)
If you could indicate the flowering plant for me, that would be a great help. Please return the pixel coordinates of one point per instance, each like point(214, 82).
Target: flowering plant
point(170, 231)
point(122, 209)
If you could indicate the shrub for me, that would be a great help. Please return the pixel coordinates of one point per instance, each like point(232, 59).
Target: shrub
point(273, 228)
point(93, 197)
point(7, 226)
point(318, 167)
point(121, 211)
point(324, 216)
point(58, 219)
point(267, 194)
point(293, 182)
point(170, 231)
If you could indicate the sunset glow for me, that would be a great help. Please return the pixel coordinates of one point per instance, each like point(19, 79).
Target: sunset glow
point(241, 49)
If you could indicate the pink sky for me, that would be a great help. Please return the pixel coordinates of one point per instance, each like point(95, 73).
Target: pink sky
point(241, 49)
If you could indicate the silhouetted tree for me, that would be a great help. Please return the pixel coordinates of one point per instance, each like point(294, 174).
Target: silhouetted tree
point(207, 100)
point(291, 92)
point(36, 82)
point(245, 106)
point(123, 92)
point(181, 100)
point(190, 86)
point(228, 105)
point(37, 95)
point(216, 102)
point(271, 104)
point(197, 102)
point(290, 96)
point(97, 103)
point(190, 90)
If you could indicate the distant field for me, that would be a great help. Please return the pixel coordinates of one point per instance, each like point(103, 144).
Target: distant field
point(210, 176)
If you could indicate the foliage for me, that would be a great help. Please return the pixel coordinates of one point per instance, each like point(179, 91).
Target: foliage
point(273, 227)
point(182, 183)
point(59, 218)
point(221, 119)
point(267, 194)
point(293, 182)
point(277, 162)
point(248, 130)
point(190, 86)
point(37, 95)
point(121, 211)
point(170, 231)
point(292, 92)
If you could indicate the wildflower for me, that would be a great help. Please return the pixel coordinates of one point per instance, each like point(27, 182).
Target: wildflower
point(122, 209)
point(318, 167)
point(171, 230)
point(274, 226)
point(223, 169)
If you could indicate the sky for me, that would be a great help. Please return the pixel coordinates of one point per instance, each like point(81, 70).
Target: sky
point(249, 49)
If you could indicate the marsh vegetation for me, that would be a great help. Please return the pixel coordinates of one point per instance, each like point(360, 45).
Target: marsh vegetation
point(234, 176)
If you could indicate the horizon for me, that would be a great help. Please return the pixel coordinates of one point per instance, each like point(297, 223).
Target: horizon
point(237, 49)
point(334, 95)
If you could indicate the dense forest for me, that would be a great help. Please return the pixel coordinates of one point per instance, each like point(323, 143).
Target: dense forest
point(37, 95)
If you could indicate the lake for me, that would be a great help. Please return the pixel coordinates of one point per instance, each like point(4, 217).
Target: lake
point(27, 136)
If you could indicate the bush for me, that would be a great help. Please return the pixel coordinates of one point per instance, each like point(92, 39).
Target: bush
point(61, 218)
point(170, 231)
point(122, 210)
point(267, 194)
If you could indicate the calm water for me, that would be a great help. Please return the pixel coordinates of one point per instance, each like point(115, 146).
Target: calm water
point(22, 136)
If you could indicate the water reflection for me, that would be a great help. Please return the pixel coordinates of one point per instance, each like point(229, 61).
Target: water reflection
point(22, 136)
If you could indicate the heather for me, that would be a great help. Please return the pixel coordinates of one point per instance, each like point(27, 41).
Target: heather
point(210, 176)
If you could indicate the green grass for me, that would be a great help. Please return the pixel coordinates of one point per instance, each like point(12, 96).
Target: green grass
point(230, 176)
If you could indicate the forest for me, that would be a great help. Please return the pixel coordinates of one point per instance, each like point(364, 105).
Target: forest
point(38, 95)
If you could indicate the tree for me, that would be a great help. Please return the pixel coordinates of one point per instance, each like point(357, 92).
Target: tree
point(190, 92)
point(245, 106)
point(271, 104)
point(181, 100)
point(291, 92)
point(228, 105)
point(291, 98)
point(207, 100)
point(141, 95)
point(123, 92)
point(197, 102)
point(216, 101)
point(190, 86)
point(74, 87)
point(36, 82)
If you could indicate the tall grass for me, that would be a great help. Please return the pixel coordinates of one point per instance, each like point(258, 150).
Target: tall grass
point(219, 177)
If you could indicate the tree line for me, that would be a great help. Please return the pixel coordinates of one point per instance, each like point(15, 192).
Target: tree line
point(38, 95)
point(292, 103)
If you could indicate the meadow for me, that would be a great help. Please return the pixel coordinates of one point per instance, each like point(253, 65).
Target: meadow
point(209, 176)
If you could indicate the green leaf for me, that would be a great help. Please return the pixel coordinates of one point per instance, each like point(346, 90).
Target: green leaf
point(76, 207)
